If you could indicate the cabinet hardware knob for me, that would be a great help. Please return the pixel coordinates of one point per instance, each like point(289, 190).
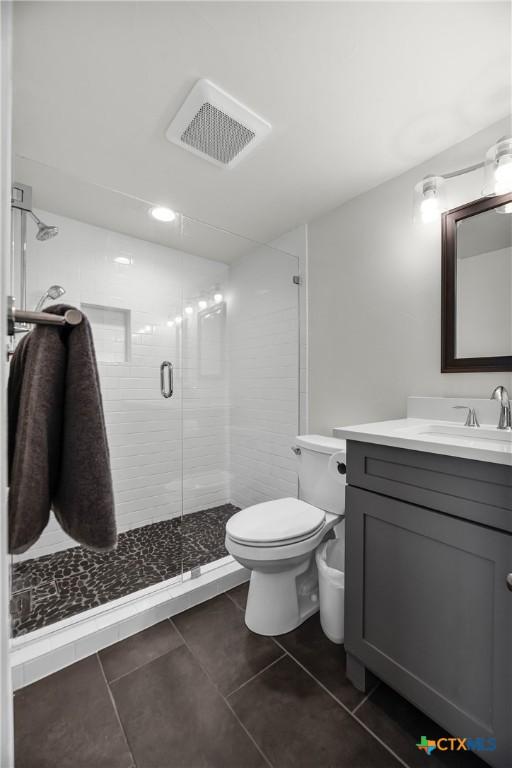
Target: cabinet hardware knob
point(509, 581)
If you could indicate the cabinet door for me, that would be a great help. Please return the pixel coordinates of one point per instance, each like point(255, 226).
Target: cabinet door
point(429, 612)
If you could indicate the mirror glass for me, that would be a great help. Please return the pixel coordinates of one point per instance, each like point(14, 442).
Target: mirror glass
point(484, 284)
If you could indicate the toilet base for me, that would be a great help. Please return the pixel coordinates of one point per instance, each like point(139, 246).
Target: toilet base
point(280, 601)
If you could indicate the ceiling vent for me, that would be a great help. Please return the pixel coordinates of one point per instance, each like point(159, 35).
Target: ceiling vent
point(215, 126)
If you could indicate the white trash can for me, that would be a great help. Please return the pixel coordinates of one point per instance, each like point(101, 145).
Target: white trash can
point(330, 561)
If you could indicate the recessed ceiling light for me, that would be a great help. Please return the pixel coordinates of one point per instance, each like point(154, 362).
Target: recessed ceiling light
point(160, 213)
point(202, 304)
point(189, 310)
point(178, 319)
point(123, 260)
point(218, 298)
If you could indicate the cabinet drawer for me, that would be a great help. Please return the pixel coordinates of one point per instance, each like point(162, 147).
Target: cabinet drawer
point(475, 490)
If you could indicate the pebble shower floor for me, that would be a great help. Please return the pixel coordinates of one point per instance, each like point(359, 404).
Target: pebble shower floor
point(71, 581)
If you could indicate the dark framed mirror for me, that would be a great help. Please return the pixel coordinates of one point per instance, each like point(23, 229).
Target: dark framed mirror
point(476, 299)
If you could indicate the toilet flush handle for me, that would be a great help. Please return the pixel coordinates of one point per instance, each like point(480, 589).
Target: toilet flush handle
point(296, 450)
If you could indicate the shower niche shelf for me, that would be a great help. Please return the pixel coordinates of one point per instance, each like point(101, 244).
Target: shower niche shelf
point(111, 332)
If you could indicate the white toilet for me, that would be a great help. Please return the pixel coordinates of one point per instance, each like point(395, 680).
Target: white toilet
point(276, 540)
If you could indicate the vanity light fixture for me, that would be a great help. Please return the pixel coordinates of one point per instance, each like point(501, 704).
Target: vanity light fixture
point(498, 168)
point(202, 304)
point(429, 192)
point(429, 198)
point(178, 319)
point(161, 213)
point(218, 297)
point(189, 310)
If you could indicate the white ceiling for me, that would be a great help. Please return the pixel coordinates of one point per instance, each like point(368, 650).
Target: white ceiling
point(58, 192)
point(356, 93)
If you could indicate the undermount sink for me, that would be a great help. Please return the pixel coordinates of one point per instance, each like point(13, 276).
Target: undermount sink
point(460, 432)
point(485, 443)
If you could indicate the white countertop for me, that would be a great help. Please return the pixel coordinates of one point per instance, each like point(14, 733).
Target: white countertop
point(448, 438)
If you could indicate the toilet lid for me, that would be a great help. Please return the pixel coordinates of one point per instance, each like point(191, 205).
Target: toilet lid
point(275, 522)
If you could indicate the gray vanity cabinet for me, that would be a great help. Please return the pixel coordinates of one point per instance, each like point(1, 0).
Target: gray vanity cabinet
point(428, 607)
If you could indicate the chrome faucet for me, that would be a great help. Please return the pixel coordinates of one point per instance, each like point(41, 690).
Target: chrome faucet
point(501, 395)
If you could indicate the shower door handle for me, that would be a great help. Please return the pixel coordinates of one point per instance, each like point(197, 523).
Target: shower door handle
point(166, 389)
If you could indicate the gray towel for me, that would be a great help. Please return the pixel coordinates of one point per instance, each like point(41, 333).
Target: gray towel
point(58, 449)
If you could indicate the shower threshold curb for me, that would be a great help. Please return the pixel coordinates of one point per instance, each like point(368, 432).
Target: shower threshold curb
point(46, 650)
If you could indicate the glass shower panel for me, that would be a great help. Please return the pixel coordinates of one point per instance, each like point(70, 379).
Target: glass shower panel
point(240, 385)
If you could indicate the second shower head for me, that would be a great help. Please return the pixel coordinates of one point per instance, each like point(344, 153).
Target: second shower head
point(53, 292)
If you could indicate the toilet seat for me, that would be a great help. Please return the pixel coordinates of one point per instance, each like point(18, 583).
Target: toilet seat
point(275, 523)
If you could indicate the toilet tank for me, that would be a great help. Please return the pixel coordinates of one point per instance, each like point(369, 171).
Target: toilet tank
point(320, 481)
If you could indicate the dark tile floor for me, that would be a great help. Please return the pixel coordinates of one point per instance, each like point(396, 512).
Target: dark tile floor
point(201, 691)
point(71, 581)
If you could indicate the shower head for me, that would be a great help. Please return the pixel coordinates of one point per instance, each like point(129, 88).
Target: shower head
point(53, 292)
point(44, 231)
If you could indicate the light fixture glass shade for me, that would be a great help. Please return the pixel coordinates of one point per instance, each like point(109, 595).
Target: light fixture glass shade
point(429, 199)
point(498, 168)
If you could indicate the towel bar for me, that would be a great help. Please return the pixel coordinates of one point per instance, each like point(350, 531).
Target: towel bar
point(71, 317)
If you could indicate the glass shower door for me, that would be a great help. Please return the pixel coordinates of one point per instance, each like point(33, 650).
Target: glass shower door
point(240, 385)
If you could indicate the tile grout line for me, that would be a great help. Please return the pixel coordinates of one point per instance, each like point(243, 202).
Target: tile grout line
point(235, 690)
point(227, 703)
point(347, 710)
point(139, 666)
point(363, 701)
point(233, 600)
point(114, 706)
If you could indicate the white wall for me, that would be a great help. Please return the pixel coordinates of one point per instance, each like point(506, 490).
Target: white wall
point(375, 299)
point(264, 366)
point(144, 429)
